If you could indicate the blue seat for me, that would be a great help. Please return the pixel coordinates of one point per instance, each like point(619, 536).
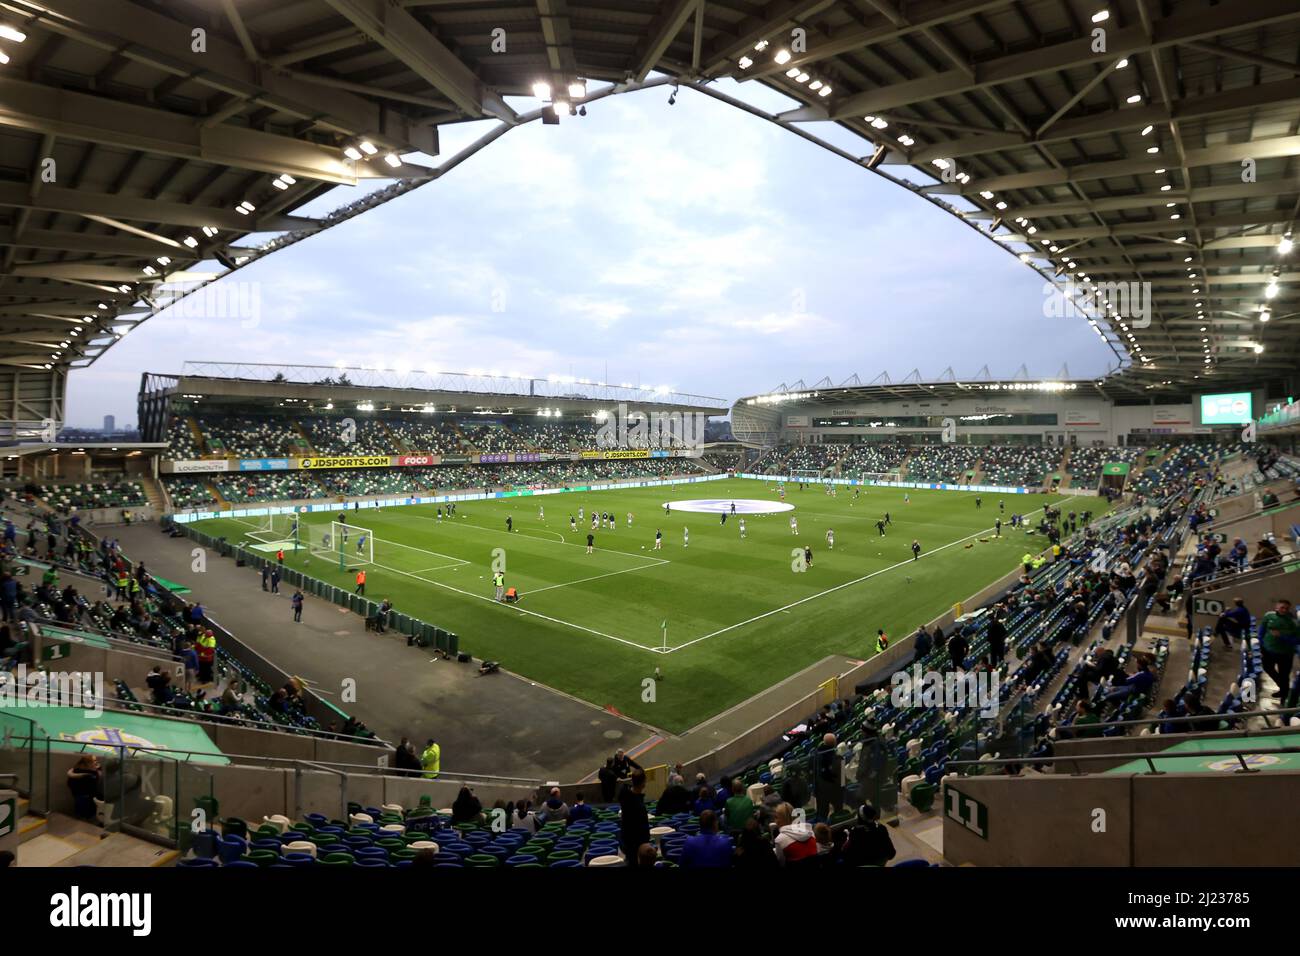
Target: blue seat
point(246, 864)
point(372, 861)
point(298, 859)
point(205, 843)
point(231, 848)
point(565, 864)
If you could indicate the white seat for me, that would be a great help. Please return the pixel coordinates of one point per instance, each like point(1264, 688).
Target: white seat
point(300, 846)
point(393, 808)
point(424, 845)
point(397, 828)
point(279, 821)
point(609, 860)
point(360, 818)
point(909, 782)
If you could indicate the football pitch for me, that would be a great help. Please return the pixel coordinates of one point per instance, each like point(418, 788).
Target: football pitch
point(723, 617)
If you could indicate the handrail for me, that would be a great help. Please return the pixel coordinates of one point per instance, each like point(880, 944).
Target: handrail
point(247, 722)
point(292, 762)
point(1150, 758)
point(1234, 715)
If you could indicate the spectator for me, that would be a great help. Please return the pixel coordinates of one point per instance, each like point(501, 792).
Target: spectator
point(675, 798)
point(646, 855)
point(708, 848)
point(555, 808)
point(825, 842)
point(523, 817)
point(1233, 623)
point(794, 838)
point(869, 842)
point(739, 807)
point(1278, 636)
point(753, 851)
point(624, 765)
point(466, 808)
point(608, 778)
point(159, 684)
point(1140, 682)
point(958, 648)
point(83, 780)
point(634, 822)
point(829, 790)
point(405, 759)
point(580, 810)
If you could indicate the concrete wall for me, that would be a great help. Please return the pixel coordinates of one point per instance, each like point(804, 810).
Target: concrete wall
point(1124, 747)
point(1206, 819)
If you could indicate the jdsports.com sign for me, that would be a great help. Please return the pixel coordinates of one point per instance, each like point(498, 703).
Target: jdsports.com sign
point(372, 461)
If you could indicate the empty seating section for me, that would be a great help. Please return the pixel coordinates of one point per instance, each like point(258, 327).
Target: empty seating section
point(812, 457)
point(180, 440)
point(1020, 465)
point(493, 438)
point(189, 491)
point(437, 437)
point(1086, 464)
point(948, 463)
point(249, 437)
point(393, 836)
point(722, 460)
point(872, 458)
point(269, 486)
point(94, 494)
point(344, 436)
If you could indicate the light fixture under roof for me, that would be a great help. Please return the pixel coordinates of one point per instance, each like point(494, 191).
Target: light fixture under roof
point(782, 57)
point(392, 159)
point(745, 63)
point(1101, 16)
point(10, 33)
point(1285, 245)
point(352, 153)
point(577, 89)
point(1135, 98)
point(368, 147)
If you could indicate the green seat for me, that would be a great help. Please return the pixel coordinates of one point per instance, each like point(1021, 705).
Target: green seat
point(922, 796)
point(562, 855)
point(263, 857)
point(483, 860)
point(336, 859)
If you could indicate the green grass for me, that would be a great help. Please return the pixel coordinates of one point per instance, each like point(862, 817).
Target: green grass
point(740, 619)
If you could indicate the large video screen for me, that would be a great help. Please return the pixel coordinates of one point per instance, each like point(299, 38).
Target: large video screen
point(1230, 408)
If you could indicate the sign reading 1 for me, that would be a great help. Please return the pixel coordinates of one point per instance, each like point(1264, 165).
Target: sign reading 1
point(970, 813)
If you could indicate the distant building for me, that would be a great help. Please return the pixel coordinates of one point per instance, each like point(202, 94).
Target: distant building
point(110, 424)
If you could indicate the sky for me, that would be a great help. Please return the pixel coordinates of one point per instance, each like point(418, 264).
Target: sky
point(689, 245)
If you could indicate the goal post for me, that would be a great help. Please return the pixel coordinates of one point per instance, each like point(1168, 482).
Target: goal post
point(343, 542)
point(278, 531)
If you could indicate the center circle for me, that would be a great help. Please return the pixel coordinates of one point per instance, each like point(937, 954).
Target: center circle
point(743, 506)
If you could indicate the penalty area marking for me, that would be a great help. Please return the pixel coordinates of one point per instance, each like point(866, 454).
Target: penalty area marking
point(838, 587)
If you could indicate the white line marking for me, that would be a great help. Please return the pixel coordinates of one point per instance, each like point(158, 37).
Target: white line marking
point(597, 577)
point(838, 587)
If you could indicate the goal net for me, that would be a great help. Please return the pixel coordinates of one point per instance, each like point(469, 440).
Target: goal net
point(273, 532)
point(805, 474)
point(343, 543)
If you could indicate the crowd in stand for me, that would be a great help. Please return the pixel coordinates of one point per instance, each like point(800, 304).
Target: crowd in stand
point(872, 458)
point(949, 463)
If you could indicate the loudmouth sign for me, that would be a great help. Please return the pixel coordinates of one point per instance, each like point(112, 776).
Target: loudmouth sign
point(194, 467)
point(362, 461)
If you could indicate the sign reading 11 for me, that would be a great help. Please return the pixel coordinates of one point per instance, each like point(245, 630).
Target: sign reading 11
point(970, 813)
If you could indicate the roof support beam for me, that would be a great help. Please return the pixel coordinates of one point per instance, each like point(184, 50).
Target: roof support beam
point(84, 203)
point(663, 30)
point(1126, 42)
point(405, 38)
point(96, 119)
point(164, 43)
point(775, 17)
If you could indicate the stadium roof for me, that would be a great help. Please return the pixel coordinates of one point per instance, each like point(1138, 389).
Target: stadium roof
point(393, 389)
point(1072, 132)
